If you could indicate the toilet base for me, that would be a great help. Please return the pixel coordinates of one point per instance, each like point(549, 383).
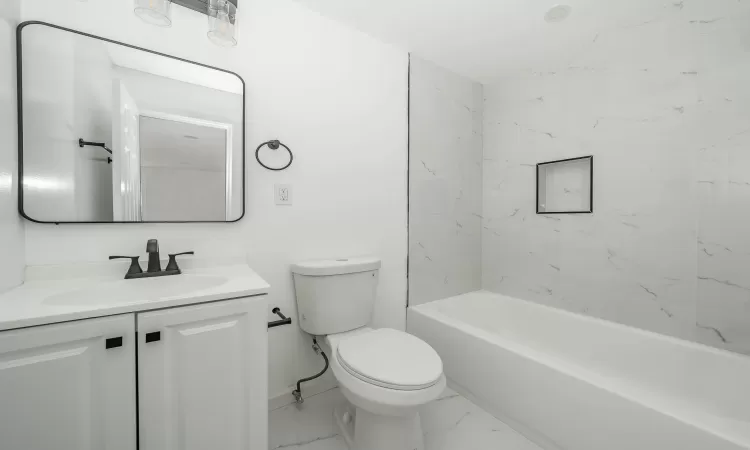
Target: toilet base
point(344, 415)
point(367, 431)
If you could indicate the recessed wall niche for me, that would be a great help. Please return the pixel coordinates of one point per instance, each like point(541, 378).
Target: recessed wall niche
point(565, 186)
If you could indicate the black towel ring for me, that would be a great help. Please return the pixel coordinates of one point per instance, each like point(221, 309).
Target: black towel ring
point(274, 145)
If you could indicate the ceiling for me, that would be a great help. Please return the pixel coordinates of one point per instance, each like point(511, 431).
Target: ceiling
point(485, 39)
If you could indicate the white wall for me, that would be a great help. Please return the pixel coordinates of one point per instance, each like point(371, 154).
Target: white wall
point(92, 112)
point(50, 148)
point(177, 193)
point(63, 181)
point(664, 108)
point(445, 203)
point(11, 226)
point(336, 97)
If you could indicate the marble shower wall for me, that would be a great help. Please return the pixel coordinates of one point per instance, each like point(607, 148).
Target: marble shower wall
point(664, 106)
point(445, 183)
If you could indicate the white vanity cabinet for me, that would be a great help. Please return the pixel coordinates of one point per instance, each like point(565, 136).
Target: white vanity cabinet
point(202, 377)
point(189, 378)
point(61, 388)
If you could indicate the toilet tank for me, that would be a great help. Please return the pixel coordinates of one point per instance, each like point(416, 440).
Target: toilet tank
point(336, 295)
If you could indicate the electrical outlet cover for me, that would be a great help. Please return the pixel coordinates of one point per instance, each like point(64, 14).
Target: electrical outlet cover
point(283, 194)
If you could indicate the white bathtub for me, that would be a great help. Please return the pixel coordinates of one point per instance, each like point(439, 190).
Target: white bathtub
point(573, 382)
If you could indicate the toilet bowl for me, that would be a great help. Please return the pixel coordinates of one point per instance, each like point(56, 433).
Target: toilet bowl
point(386, 375)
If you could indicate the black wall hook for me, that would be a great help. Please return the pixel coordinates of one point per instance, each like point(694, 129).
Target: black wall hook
point(274, 145)
point(82, 143)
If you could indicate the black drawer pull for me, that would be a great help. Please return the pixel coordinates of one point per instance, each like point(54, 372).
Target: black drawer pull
point(113, 342)
point(153, 337)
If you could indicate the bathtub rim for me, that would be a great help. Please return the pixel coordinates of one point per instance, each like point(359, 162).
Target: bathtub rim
point(597, 320)
point(697, 419)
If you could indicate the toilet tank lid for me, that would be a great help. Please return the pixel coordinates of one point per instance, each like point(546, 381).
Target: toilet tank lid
point(341, 266)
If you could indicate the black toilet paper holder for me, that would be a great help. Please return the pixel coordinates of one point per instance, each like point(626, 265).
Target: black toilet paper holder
point(284, 319)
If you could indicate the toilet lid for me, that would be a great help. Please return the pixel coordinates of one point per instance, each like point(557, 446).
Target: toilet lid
point(391, 359)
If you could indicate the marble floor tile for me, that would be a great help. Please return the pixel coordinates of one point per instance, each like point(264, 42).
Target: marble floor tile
point(454, 423)
point(449, 423)
point(310, 423)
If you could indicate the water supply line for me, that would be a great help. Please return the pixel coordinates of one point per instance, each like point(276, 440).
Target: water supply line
point(297, 393)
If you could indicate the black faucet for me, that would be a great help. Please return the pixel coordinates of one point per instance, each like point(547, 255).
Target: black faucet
point(152, 248)
point(154, 264)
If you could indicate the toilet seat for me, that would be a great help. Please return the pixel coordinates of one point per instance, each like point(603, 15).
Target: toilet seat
point(390, 359)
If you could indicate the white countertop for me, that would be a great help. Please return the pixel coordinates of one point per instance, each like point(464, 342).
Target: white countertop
point(53, 294)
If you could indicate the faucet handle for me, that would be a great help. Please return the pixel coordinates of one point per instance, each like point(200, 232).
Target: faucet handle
point(135, 266)
point(172, 264)
point(152, 246)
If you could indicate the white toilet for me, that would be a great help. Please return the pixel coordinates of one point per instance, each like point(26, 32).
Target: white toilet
point(386, 374)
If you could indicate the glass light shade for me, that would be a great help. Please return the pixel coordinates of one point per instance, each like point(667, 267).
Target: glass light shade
point(155, 12)
point(222, 22)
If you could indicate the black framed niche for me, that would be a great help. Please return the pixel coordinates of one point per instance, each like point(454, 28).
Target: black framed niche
point(565, 186)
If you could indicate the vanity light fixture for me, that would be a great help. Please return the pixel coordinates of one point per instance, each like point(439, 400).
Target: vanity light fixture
point(222, 16)
point(155, 12)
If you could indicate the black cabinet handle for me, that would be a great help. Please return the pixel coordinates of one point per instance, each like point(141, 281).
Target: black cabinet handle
point(153, 337)
point(113, 342)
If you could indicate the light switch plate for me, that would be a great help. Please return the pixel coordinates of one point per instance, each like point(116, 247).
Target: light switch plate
point(283, 194)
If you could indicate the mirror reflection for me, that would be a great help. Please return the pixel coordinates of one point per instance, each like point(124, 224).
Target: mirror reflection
point(117, 134)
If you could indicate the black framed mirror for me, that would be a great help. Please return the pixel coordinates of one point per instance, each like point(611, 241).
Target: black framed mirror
point(113, 133)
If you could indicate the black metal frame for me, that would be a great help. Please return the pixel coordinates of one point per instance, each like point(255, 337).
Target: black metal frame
point(591, 182)
point(19, 99)
point(202, 9)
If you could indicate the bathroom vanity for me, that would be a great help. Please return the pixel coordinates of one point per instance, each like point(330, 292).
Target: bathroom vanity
point(90, 361)
point(165, 359)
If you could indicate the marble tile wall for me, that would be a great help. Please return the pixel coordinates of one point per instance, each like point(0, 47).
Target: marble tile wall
point(445, 188)
point(664, 106)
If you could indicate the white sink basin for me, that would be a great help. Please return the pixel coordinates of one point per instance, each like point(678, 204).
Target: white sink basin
point(136, 290)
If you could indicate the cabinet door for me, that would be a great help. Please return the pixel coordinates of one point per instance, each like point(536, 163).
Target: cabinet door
point(61, 388)
point(203, 380)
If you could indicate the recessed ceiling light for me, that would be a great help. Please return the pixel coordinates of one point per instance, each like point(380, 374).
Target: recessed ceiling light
point(558, 13)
